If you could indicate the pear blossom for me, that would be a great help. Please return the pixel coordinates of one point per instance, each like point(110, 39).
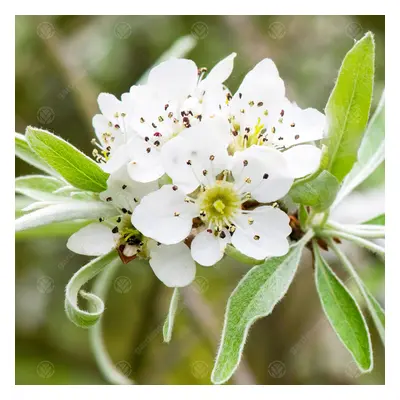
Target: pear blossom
point(174, 98)
point(112, 131)
point(172, 264)
point(260, 114)
point(216, 199)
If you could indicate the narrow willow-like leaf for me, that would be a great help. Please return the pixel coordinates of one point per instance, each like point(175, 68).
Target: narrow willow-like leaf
point(348, 106)
point(169, 321)
point(56, 230)
point(74, 166)
point(39, 187)
point(374, 308)
point(343, 313)
point(378, 313)
point(378, 220)
point(318, 193)
point(78, 316)
point(178, 50)
point(370, 155)
point(303, 216)
point(255, 297)
point(24, 152)
point(238, 256)
point(71, 210)
point(106, 365)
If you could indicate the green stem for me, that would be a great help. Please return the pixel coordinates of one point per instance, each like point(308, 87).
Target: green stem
point(349, 266)
point(358, 230)
point(103, 359)
point(355, 239)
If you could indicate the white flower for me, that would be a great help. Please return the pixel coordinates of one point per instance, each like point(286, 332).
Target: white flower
point(173, 265)
point(220, 189)
point(260, 114)
point(174, 99)
point(112, 132)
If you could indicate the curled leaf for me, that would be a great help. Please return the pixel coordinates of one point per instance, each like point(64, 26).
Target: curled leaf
point(78, 316)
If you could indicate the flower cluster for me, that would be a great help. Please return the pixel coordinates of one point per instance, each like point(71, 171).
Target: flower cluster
point(194, 168)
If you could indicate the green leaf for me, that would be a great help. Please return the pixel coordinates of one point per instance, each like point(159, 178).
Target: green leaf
point(348, 106)
point(58, 229)
point(24, 152)
point(255, 297)
point(343, 313)
point(318, 193)
point(238, 256)
point(378, 220)
point(79, 317)
point(376, 311)
point(39, 187)
point(370, 155)
point(68, 211)
point(75, 167)
point(303, 216)
point(169, 321)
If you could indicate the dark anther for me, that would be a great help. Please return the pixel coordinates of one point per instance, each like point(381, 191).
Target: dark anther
point(265, 176)
point(115, 230)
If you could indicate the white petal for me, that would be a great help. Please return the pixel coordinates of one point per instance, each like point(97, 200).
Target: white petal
point(164, 215)
point(145, 163)
point(197, 149)
point(207, 249)
point(93, 240)
point(119, 158)
point(100, 125)
point(297, 126)
point(267, 173)
point(173, 265)
point(109, 105)
point(262, 83)
point(220, 73)
point(303, 159)
point(266, 236)
point(174, 79)
point(124, 192)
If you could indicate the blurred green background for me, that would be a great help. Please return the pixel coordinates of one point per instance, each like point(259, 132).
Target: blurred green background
point(62, 64)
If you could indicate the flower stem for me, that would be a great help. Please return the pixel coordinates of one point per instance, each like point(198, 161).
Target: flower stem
point(103, 359)
point(358, 230)
point(355, 239)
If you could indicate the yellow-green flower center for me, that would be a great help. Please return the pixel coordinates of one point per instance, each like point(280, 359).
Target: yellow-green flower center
point(219, 203)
